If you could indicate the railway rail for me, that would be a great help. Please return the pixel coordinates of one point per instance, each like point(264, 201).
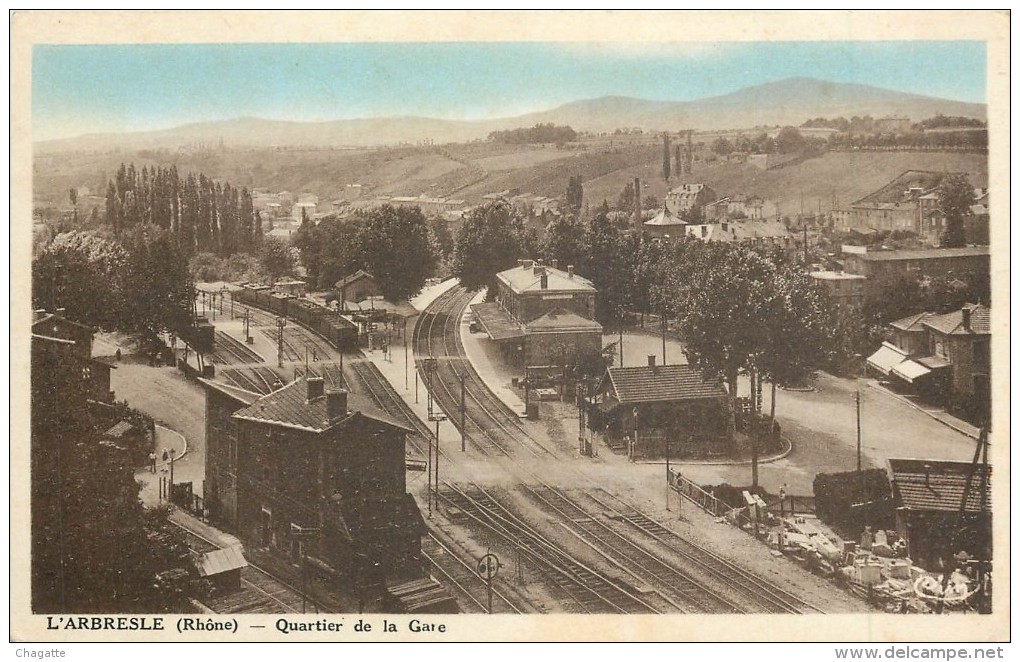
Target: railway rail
point(464, 578)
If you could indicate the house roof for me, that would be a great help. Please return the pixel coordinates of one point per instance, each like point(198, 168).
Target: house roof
point(43, 317)
point(924, 254)
point(937, 485)
point(897, 190)
point(562, 320)
point(525, 279)
point(952, 323)
point(662, 384)
point(665, 218)
point(912, 322)
point(289, 407)
point(354, 277)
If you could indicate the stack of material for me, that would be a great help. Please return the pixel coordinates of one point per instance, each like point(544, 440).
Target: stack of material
point(421, 596)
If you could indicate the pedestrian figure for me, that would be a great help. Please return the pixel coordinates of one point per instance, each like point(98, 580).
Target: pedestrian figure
point(166, 455)
point(152, 461)
point(118, 354)
point(315, 355)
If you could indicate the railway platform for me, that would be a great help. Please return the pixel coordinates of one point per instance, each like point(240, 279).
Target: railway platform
point(483, 355)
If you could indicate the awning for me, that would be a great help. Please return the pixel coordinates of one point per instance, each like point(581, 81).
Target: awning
point(933, 362)
point(496, 322)
point(910, 370)
point(886, 358)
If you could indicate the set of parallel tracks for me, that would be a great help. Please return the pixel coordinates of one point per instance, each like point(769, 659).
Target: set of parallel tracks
point(489, 421)
point(257, 379)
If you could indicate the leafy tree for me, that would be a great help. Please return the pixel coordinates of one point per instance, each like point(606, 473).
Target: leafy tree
point(161, 293)
point(564, 241)
point(396, 249)
point(722, 146)
point(442, 238)
point(790, 140)
point(665, 157)
point(609, 266)
point(489, 242)
point(575, 193)
point(956, 196)
point(84, 274)
point(94, 548)
point(626, 200)
point(275, 258)
point(206, 267)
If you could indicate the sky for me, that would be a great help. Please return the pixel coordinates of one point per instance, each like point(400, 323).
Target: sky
point(79, 89)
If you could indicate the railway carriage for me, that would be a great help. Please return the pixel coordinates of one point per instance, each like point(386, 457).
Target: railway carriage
point(339, 332)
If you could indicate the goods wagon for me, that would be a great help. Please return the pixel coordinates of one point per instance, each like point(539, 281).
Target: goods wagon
point(340, 333)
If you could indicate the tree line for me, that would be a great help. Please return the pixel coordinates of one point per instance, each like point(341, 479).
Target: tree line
point(540, 133)
point(203, 215)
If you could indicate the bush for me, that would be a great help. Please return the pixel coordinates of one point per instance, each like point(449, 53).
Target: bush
point(836, 494)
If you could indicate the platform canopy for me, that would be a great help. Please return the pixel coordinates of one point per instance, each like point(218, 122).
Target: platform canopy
point(496, 322)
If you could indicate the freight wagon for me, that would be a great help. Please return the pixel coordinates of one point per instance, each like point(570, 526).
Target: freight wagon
point(340, 333)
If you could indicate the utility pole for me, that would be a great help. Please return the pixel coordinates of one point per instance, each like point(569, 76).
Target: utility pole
point(429, 497)
point(463, 433)
point(667, 473)
point(857, 398)
point(621, 342)
point(405, 355)
point(663, 339)
point(435, 483)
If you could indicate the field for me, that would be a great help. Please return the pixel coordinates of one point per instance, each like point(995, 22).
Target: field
point(471, 170)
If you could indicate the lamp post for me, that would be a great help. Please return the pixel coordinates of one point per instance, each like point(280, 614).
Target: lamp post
point(223, 293)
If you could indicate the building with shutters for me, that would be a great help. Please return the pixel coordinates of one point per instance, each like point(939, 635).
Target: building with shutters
point(313, 472)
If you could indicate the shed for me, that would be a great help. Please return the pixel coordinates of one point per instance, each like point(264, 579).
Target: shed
point(222, 567)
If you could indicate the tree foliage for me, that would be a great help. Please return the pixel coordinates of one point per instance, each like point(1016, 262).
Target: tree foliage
point(490, 241)
point(564, 241)
point(575, 193)
point(275, 258)
point(540, 133)
point(94, 548)
point(956, 196)
point(666, 170)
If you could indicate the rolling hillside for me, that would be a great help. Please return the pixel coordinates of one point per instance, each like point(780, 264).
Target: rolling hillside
point(788, 101)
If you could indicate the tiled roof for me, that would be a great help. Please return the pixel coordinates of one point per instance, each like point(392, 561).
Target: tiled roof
point(662, 384)
point(350, 278)
point(562, 320)
point(911, 323)
point(926, 254)
point(938, 485)
point(952, 323)
point(522, 279)
point(290, 407)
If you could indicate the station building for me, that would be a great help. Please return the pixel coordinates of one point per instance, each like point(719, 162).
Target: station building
point(542, 316)
point(313, 473)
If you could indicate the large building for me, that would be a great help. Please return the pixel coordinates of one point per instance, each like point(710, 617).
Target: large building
point(689, 196)
point(884, 268)
point(845, 291)
point(895, 206)
point(542, 316)
point(316, 473)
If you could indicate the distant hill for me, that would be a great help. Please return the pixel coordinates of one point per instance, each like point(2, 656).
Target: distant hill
point(789, 101)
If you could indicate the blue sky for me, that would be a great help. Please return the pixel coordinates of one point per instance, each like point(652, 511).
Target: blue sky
point(84, 88)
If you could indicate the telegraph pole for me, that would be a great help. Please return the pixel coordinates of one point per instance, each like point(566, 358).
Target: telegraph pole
point(663, 339)
point(463, 433)
point(857, 398)
point(281, 322)
point(667, 473)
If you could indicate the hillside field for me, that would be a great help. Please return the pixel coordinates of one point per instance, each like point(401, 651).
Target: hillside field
point(471, 170)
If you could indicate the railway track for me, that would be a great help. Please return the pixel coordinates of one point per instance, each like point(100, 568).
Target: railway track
point(769, 597)
point(493, 424)
point(464, 578)
point(593, 591)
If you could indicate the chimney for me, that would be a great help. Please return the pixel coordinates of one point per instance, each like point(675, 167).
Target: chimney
point(545, 281)
point(315, 387)
point(555, 263)
point(520, 263)
point(336, 403)
point(966, 318)
point(725, 226)
point(527, 264)
point(570, 271)
point(61, 312)
point(704, 230)
point(651, 360)
point(539, 270)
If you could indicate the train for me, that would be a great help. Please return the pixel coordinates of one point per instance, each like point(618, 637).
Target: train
point(338, 331)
